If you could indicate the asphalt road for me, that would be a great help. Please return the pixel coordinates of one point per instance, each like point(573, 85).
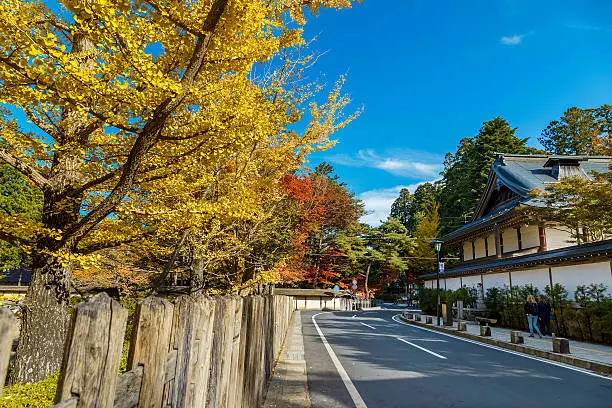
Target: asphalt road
point(390, 364)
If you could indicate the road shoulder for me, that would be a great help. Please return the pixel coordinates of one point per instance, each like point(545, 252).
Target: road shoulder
point(289, 385)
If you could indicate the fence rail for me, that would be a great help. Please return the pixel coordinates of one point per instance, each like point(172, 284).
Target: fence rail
point(197, 351)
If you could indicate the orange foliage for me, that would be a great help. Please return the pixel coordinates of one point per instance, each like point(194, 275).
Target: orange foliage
point(322, 204)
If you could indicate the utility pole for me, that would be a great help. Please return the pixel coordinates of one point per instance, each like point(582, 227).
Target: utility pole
point(437, 245)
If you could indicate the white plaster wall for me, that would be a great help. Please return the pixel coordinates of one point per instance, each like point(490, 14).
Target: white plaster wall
point(471, 281)
point(530, 236)
point(330, 303)
point(558, 238)
point(479, 246)
point(467, 251)
point(536, 277)
point(430, 284)
point(568, 276)
point(510, 240)
point(453, 283)
point(491, 242)
point(495, 280)
point(313, 304)
point(585, 274)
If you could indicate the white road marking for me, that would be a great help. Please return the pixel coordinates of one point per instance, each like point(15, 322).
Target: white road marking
point(516, 353)
point(350, 387)
point(371, 327)
point(354, 316)
point(422, 348)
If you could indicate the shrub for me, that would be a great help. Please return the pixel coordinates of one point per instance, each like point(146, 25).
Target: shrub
point(427, 300)
point(35, 395)
point(591, 321)
point(467, 295)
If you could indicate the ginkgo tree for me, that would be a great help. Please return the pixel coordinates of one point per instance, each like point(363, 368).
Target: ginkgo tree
point(125, 98)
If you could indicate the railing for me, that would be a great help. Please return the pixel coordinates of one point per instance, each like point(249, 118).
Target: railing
point(197, 351)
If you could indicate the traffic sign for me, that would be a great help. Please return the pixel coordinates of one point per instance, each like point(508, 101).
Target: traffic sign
point(354, 281)
point(354, 286)
point(336, 289)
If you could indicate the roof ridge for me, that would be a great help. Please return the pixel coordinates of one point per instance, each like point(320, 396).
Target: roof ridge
point(550, 156)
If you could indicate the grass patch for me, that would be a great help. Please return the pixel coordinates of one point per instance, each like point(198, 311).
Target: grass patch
point(34, 395)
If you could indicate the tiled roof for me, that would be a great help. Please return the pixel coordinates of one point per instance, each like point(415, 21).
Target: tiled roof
point(522, 174)
point(576, 252)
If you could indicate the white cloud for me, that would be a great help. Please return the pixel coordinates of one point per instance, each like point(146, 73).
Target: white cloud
point(406, 163)
point(378, 202)
point(511, 40)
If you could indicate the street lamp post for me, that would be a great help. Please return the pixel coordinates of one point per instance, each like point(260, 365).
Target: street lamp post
point(437, 245)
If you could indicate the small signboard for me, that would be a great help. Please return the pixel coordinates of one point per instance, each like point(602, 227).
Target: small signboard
point(336, 289)
point(441, 267)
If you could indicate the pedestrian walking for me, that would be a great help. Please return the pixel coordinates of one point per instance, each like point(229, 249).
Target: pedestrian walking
point(531, 310)
point(544, 312)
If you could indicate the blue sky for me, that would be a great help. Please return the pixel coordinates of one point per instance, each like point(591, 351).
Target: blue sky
point(428, 73)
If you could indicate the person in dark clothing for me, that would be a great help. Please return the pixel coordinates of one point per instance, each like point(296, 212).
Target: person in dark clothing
point(531, 310)
point(544, 313)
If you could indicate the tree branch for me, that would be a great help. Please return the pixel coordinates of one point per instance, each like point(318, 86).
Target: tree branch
point(13, 239)
point(89, 249)
point(149, 134)
point(30, 172)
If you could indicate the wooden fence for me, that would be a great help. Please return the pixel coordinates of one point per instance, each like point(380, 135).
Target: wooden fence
point(196, 352)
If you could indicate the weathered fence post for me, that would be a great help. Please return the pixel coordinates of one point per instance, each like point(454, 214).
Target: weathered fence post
point(259, 354)
point(187, 374)
point(92, 353)
point(149, 348)
point(8, 332)
point(222, 352)
point(270, 320)
point(203, 352)
point(237, 370)
point(246, 353)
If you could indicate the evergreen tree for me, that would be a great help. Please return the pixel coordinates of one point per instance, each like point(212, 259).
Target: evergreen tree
point(401, 209)
point(18, 197)
point(465, 172)
point(424, 196)
point(579, 131)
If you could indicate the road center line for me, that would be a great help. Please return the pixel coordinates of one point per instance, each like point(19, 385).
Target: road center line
point(422, 348)
point(371, 327)
point(350, 387)
point(516, 353)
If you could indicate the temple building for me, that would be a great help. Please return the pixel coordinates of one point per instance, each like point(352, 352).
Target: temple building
point(500, 246)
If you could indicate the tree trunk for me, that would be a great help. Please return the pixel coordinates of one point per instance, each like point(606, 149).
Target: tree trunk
point(44, 321)
point(197, 278)
point(366, 281)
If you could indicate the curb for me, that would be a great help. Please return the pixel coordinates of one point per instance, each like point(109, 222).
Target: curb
point(600, 368)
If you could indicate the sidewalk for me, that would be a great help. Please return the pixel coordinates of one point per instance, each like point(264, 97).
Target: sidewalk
point(289, 385)
point(581, 354)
